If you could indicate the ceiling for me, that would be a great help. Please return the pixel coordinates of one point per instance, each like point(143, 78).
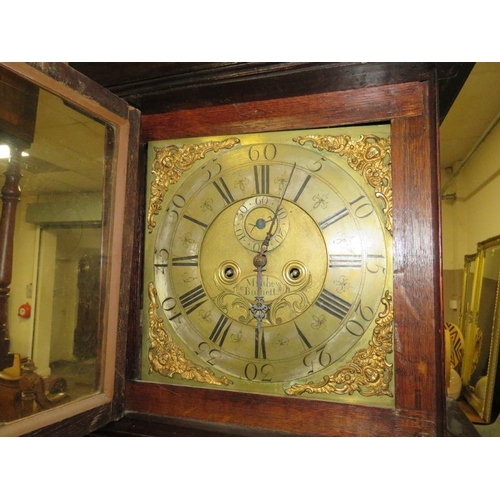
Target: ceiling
point(475, 110)
point(67, 153)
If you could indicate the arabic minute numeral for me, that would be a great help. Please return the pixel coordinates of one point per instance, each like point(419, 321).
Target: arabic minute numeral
point(161, 259)
point(211, 355)
point(374, 267)
point(264, 374)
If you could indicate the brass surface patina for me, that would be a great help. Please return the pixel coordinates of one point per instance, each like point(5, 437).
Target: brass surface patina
point(271, 262)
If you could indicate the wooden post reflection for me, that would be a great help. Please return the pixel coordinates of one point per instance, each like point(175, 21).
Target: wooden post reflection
point(11, 194)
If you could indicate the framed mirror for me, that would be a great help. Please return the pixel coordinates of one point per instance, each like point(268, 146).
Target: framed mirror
point(465, 316)
point(479, 371)
point(65, 264)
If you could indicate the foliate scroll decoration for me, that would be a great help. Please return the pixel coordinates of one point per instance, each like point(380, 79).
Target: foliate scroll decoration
point(289, 303)
point(368, 373)
point(170, 163)
point(369, 155)
point(168, 359)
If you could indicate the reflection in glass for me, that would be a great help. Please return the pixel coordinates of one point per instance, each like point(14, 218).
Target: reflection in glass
point(480, 368)
point(57, 262)
point(74, 319)
point(485, 314)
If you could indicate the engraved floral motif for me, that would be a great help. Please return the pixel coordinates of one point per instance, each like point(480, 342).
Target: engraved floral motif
point(318, 322)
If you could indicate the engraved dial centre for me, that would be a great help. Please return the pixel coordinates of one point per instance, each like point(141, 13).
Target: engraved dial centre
point(291, 278)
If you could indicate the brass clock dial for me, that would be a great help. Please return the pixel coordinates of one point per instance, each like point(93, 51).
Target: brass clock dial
point(323, 272)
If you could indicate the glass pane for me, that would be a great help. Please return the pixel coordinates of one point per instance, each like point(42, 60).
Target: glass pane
point(75, 306)
point(55, 305)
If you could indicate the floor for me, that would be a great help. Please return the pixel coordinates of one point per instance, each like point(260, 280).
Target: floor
point(80, 376)
point(490, 430)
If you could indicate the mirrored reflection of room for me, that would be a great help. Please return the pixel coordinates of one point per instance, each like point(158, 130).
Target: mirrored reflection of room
point(55, 302)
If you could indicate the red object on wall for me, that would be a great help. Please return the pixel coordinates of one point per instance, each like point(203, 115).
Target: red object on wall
point(24, 311)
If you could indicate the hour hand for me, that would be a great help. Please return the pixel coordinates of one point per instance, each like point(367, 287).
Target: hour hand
point(258, 308)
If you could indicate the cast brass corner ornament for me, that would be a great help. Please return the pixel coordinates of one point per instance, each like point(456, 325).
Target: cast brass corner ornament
point(368, 372)
point(369, 155)
point(168, 359)
point(170, 163)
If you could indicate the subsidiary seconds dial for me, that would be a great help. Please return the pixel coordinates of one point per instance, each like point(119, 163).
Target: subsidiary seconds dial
point(253, 220)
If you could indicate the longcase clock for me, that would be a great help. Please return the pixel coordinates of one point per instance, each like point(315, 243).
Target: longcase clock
point(291, 271)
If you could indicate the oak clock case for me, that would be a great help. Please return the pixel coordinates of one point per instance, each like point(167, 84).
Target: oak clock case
point(268, 264)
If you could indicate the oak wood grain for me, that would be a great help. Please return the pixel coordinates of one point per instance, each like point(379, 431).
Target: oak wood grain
point(375, 104)
point(419, 388)
point(269, 414)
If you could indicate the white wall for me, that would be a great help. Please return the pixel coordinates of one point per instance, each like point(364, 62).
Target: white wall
point(473, 217)
point(23, 280)
point(44, 274)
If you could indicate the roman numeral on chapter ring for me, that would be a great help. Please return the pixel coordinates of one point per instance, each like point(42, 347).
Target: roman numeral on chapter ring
point(188, 260)
point(219, 333)
point(342, 261)
point(332, 304)
point(301, 189)
point(302, 336)
point(193, 299)
point(332, 219)
point(260, 345)
point(196, 221)
point(261, 175)
point(223, 190)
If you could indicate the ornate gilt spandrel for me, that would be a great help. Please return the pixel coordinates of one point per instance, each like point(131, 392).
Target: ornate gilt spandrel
point(368, 372)
point(369, 155)
point(170, 163)
point(168, 359)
